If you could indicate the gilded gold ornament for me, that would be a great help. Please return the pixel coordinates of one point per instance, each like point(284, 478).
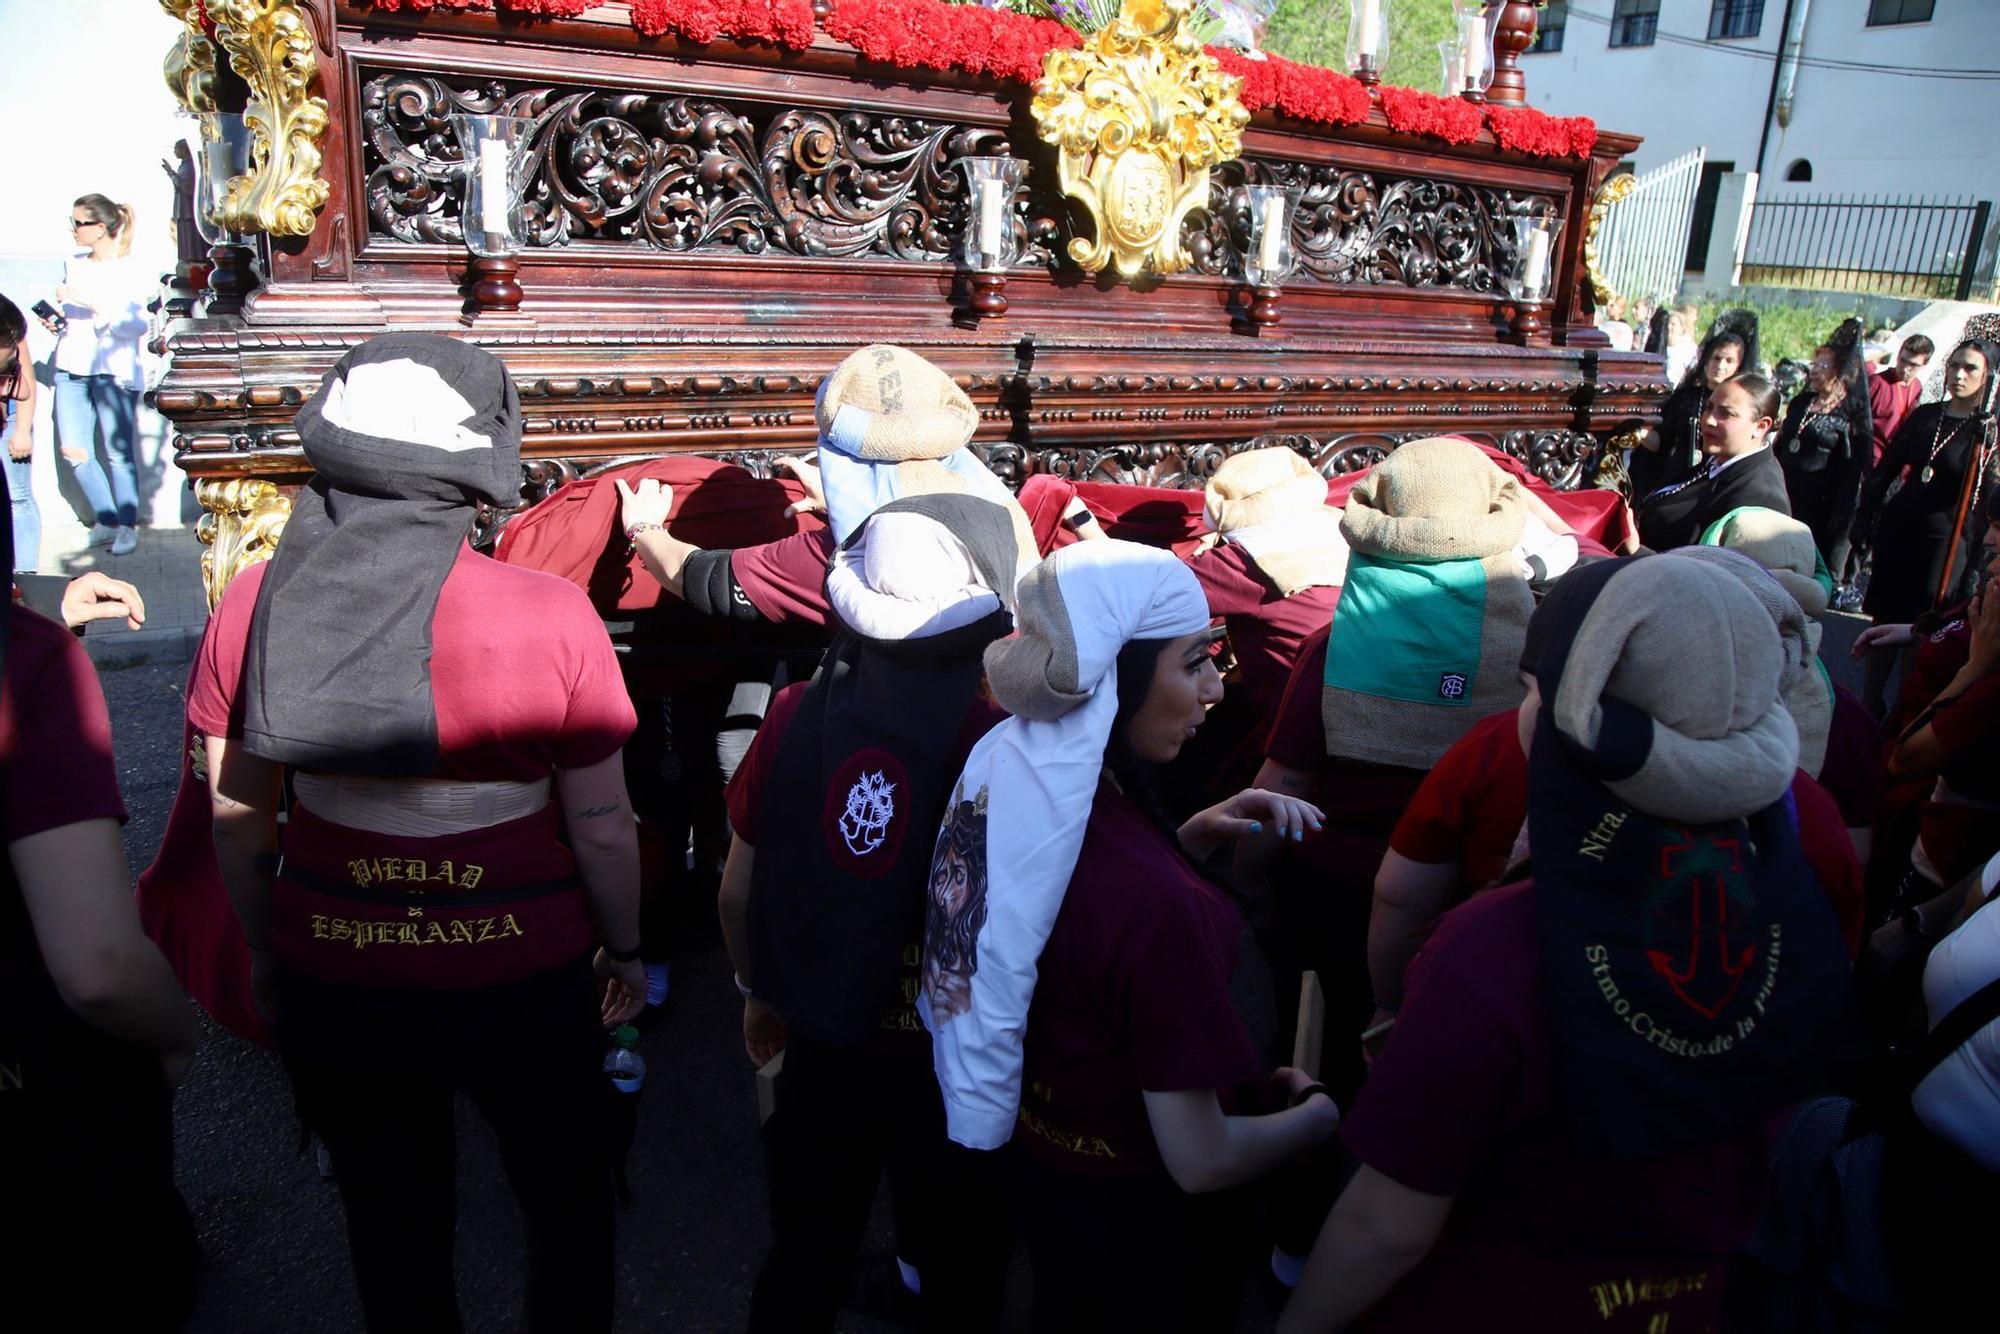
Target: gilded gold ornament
point(270, 44)
point(242, 519)
point(1139, 114)
point(1611, 192)
point(190, 67)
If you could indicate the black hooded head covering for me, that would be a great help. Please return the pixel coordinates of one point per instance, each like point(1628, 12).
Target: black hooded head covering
point(406, 435)
point(1693, 970)
point(863, 775)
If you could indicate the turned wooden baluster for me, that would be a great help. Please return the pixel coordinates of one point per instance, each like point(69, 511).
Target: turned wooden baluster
point(1514, 34)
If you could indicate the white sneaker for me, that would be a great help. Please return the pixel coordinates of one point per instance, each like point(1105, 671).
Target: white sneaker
point(126, 542)
point(102, 534)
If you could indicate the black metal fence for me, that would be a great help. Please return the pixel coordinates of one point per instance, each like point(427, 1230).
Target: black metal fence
point(1882, 245)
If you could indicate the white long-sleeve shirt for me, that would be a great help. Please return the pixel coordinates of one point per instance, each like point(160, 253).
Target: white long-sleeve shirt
point(107, 317)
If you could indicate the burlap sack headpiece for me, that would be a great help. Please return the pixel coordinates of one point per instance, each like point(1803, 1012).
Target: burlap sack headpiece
point(1272, 503)
point(892, 425)
point(886, 404)
point(1435, 499)
point(1804, 686)
point(1689, 643)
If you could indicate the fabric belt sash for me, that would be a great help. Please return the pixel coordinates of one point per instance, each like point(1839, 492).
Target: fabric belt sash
point(476, 908)
point(417, 808)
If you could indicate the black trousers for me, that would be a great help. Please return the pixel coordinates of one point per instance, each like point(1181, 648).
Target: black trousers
point(375, 1072)
point(841, 1122)
point(1114, 1255)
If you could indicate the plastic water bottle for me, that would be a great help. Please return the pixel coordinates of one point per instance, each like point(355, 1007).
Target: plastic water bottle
point(625, 1070)
point(623, 1063)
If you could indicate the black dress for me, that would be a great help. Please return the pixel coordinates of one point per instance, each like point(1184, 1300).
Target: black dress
point(1824, 455)
point(1676, 516)
point(1679, 453)
point(1912, 530)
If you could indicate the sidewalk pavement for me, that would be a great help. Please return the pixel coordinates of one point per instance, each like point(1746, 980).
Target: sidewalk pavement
point(166, 569)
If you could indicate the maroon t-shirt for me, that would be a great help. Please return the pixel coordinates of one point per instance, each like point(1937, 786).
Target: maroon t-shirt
point(1266, 629)
point(903, 1030)
point(1132, 995)
point(1889, 401)
point(1362, 801)
point(1853, 772)
point(785, 580)
point(55, 735)
point(1459, 1104)
point(523, 677)
point(524, 683)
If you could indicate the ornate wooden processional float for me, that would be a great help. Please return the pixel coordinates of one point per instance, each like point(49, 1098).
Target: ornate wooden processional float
point(1137, 256)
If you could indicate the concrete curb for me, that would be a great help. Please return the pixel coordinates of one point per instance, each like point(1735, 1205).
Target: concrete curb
point(129, 648)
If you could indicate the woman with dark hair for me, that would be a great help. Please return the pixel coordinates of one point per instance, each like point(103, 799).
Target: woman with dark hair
point(1826, 443)
point(1077, 964)
point(103, 300)
point(17, 410)
point(1926, 536)
point(1569, 1125)
point(1737, 470)
point(1670, 451)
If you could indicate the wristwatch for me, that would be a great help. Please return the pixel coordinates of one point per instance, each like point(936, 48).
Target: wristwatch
point(1078, 521)
point(621, 956)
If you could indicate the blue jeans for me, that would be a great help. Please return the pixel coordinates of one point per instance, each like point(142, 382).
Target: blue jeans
point(21, 489)
point(88, 406)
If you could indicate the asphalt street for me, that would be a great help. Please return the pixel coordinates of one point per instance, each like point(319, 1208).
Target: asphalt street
point(270, 1228)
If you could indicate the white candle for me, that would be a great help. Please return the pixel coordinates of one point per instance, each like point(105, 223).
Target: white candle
point(1370, 39)
point(1537, 267)
point(992, 207)
point(1270, 244)
point(493, 186)
point(1475, 53)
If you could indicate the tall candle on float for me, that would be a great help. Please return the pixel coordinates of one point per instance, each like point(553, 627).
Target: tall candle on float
point(1473, 54)
point(493, 185)
point(1270, 244)
point(1370, 39)
point(992, 206)
point(1537, 266)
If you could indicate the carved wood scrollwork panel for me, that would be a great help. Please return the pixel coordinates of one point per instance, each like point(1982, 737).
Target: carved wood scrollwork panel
point(1366, 227)
point(685, 174)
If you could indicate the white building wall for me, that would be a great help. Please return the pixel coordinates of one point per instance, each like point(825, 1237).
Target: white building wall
point(1863, 131)
point(91, 114)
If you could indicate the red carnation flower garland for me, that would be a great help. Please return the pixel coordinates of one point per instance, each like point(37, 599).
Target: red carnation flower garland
point(941, 36)
point(786, 23)
point(1526, 130)
point(1452, 119)
point(972, 39)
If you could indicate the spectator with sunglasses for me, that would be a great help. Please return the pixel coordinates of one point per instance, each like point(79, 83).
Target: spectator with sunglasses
point(103, 300)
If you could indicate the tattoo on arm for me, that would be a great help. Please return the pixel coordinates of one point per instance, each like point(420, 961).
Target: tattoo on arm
point(598, 812)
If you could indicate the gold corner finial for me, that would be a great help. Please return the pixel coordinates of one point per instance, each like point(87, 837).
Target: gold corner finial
point(270, 44)
point(1139, 115)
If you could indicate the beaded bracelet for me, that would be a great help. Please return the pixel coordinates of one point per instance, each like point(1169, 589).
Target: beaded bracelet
point(632, 533)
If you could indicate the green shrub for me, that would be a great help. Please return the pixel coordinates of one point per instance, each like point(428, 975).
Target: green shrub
point(1314, 32)
point(1786, 331)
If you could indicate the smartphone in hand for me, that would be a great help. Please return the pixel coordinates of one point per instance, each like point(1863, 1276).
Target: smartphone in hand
point(57, 322)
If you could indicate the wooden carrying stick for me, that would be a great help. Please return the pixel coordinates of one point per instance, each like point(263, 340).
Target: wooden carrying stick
point(1311, 1037)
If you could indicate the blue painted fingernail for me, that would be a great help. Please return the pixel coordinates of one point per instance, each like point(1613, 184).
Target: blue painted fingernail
point(1298, 836)
point(1256, 826)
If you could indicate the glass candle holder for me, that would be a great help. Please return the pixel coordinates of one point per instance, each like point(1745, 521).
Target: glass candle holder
point(492, 148)
point(1451, 57)
point(1368, 39)
point(1531, 274)
point(1269, 259)
point(1475, 53)
point(989, 244)
point(219, 146)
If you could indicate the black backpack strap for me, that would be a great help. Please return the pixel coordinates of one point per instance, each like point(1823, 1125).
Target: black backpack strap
point(1966, 1018)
